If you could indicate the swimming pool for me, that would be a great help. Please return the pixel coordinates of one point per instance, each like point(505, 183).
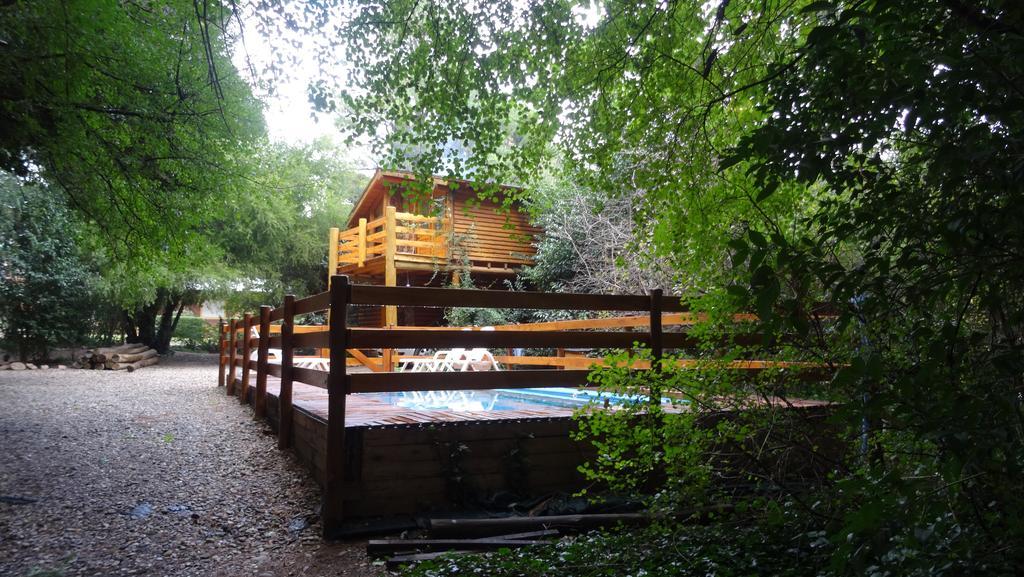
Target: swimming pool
point(508, 399)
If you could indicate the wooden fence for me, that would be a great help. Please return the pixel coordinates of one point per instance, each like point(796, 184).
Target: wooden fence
point(277, 330)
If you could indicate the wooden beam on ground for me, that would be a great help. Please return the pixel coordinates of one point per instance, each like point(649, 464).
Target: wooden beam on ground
point(398, 561)
point(389, 546)
point(451, 528)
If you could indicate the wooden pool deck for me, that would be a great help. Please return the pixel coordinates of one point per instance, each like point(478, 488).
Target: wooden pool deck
point(400, 461)
point(385, 459)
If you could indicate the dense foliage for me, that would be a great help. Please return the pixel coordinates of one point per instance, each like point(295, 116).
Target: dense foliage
point(134, 114)
point(913, 136)
point(864, 153)
point(660, 551)
point(47, 297)
point(133, 109)
point(276, 234)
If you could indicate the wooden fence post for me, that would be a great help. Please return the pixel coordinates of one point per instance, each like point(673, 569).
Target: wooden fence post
point(657, 348)
point(332, 511)
point(284, 404)
point(332, 270)
point(243, 394)
point(221, 349)
point(232, 353)
point(361, 244)
point(260, 403)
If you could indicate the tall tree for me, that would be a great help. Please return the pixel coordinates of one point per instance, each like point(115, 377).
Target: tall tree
point(134, 109)
point(277, 239)
point(135, 113)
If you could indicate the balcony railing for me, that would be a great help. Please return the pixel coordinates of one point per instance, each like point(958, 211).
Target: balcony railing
point(400, 235)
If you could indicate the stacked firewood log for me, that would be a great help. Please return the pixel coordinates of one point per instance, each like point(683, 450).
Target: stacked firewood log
point(9, 364)
point(124, 357)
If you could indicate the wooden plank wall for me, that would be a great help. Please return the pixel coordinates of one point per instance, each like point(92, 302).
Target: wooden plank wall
point(481, 228)
point(417, 469)
point(411, 470)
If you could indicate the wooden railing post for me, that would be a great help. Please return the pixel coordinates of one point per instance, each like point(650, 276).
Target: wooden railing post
point(232, 355)
point(390, 278)
point(284, 404)
point(332, 253)
point(360, 246)
point(222, 346)
point(243, 393)
point(657, 348)
point(263, 353)
point(332, 511)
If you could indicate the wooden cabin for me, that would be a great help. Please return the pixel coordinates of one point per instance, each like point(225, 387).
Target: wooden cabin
point(400, 237)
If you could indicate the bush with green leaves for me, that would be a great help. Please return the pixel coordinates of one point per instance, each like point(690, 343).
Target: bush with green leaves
point(47, 286)
point(717, 429)
point(196, 334)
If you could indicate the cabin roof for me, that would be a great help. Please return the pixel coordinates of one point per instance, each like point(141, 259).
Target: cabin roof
point(377, 186)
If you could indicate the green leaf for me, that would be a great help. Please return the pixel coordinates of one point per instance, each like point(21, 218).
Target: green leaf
point(729, 161)
point(820, 6)
point(769, 189)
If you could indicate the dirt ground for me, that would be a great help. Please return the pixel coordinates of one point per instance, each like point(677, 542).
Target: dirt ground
point(155, 472)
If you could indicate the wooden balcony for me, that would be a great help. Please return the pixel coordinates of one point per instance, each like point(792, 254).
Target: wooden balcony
point(402, 241)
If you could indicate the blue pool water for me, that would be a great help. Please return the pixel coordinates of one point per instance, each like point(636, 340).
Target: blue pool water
point(508, 399)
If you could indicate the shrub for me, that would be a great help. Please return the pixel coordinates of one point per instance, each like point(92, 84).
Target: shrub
point(47, 296)
point(195, 334)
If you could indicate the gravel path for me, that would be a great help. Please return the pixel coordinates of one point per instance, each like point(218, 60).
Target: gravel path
point(155, 472)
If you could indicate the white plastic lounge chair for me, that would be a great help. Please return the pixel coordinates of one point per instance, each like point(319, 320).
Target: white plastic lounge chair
point(445, 360)
point(441, 361)
point(478, 359)
point(475, 360)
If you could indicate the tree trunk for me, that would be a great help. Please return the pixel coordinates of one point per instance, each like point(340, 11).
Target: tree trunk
point(153, 324)
point(168, 322)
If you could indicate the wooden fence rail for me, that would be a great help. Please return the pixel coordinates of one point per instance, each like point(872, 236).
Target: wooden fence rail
point(239, 340)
